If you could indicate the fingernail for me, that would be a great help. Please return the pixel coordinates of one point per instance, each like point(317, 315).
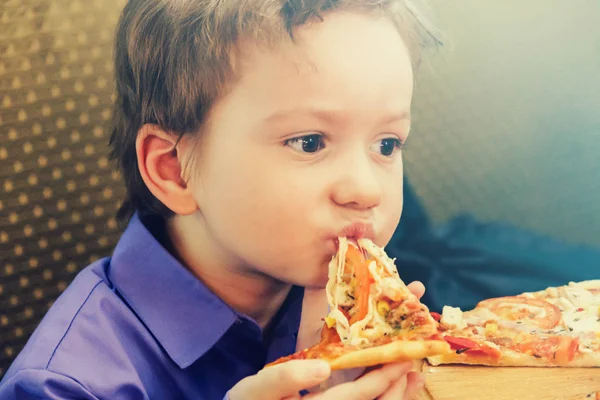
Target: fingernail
point(321, 370)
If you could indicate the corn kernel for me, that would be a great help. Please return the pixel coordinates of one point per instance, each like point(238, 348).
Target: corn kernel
point(491, 327)
point(330, 321)
point(383, 307)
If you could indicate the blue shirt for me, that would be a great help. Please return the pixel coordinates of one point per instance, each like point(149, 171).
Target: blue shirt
point(141, 326)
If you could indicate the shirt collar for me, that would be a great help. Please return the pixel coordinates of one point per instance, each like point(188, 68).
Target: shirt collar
point(186, 318)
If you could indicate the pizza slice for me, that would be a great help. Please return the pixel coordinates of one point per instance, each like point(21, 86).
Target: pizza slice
point(555, 327)
point(373, 316)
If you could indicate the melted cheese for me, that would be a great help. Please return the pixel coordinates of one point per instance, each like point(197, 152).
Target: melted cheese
point(579, 309)
point(591, 284)
point(580, 314)
point(480, 316)
point(387, 283)
point(453, 318)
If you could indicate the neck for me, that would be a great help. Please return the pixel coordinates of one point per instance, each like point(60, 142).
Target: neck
point(247, 291)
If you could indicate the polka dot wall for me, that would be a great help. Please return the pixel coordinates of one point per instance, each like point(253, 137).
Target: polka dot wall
point(58, 190)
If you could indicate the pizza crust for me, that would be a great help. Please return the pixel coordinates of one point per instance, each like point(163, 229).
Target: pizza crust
point(511, 358)
point(400, 350)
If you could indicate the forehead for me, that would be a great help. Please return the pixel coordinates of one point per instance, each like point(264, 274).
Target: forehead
point(342, 35)
point(349, 60)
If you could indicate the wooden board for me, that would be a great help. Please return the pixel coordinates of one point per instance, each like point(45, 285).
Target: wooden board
point(454, 382)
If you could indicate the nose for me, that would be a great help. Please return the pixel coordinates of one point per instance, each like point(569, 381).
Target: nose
point(357, 186)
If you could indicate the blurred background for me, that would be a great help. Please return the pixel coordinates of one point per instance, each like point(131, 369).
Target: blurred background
point(507, 116)
point(506, 128)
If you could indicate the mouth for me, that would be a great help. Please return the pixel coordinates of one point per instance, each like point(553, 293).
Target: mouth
point(358, 230)
point(352, 233)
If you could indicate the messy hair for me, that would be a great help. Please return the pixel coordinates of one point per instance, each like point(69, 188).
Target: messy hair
point(173, 61)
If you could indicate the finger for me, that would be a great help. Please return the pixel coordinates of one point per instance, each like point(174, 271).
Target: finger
point(369, 369)
point(296, 397)
point(280, 381)
point(396, 390)
point(417, 288)
point(406, 388)
point(415, 382)
point(367, 387)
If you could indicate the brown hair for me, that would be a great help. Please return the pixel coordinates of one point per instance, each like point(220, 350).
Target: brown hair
point(172, 61)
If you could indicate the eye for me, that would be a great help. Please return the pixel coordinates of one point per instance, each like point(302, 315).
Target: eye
point(306, 144)
point(387, 147)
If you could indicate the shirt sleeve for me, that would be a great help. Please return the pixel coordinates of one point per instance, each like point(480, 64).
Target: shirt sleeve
point(42, 384)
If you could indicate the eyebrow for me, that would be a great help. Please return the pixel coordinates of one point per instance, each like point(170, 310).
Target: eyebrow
point(329, 116)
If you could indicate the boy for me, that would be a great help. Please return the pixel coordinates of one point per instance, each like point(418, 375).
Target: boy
point(250, 136)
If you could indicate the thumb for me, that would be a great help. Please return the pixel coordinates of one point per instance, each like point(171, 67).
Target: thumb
point(281, 380)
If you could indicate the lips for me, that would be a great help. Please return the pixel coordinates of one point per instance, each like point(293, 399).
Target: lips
point(352, 232)
point(358, 230)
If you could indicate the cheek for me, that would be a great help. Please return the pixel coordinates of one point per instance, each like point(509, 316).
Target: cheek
point(391, 210)
point(268, 221)
point(248, 199)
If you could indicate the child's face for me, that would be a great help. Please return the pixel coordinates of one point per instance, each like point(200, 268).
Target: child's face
point(303, 146)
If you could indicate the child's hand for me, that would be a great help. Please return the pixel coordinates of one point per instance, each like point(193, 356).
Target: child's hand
point(286, 380)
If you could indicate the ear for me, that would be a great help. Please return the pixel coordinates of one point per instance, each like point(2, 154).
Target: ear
point(160, 164)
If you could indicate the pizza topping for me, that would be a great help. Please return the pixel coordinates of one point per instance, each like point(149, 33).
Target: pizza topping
point(535, 311)
point(387, 286)
point(363, 286)
point(555, 325)
point(501, 341)
point(383, 307)
point(329, 335)
point(559, 349)
point(367, 299)
point(452, 318)
point(491, 328)
point(578, 296)
point(457, 343)
point(566, 350)
point(592, 285)
point(464, 345)
point(580, 308)
point(329, 321)
point(585, 323)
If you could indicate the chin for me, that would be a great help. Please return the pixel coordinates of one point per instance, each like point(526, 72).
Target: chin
point(315, 285)
point(308, 274)
point(319, 282)
point(310, 281)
